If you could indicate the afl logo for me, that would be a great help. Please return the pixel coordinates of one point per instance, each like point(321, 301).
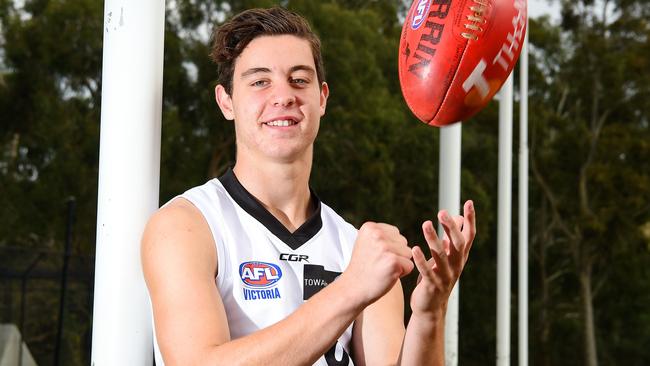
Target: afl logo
point(420, 14)
point(259, 274)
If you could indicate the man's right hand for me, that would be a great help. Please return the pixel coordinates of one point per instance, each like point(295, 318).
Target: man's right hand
point(380, 257)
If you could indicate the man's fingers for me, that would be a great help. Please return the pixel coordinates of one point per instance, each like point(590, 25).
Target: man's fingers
point(430, 235)
point(402, 249)
point(443, 272)
point(469, 225)
point(421, 263)
point(452, 230)
point(424, 267)
point(386, 238)
point(405, 264)
point(388, 228)
point(438, 250)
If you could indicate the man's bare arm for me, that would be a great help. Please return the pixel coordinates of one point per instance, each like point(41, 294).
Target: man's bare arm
point(425, 334)
point(379, 330)
point(179, 263)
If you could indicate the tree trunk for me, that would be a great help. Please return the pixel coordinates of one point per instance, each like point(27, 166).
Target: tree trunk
point(545, 320)
point(591, 356)
point(219, 159)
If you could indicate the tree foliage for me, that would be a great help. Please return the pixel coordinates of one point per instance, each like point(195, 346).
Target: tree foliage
point(588, 145)
point(589, 108)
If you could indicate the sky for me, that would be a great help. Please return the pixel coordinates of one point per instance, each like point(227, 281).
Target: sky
point(541, 7)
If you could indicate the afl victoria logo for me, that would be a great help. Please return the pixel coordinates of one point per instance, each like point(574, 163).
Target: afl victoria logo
point(259, 274)
point(420, 13)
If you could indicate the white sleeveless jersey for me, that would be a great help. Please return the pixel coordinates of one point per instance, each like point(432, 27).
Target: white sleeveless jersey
point(266, 272)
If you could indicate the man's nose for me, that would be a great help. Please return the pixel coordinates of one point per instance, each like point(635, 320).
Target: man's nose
point(284, 96)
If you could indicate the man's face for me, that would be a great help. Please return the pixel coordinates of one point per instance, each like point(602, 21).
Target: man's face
point(276, 99)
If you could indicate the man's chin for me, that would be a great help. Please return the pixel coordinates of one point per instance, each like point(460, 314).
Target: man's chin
point(287, 154)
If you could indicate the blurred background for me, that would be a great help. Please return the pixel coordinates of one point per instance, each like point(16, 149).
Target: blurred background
point(589, 139)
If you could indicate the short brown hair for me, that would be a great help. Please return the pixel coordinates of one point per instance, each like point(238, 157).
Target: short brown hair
point(230, 39)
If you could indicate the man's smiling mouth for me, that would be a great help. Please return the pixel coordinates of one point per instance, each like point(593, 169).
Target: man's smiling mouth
point(281, 123)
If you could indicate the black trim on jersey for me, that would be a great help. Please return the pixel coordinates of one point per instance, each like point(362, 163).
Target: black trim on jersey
point(253, 206)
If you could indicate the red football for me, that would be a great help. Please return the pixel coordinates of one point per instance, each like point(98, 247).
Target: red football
point(454, 55)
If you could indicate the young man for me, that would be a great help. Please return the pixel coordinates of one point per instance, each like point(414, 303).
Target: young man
point(252, 269)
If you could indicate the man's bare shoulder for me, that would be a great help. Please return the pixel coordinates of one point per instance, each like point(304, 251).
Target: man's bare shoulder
point(177, 219)
point(178, 232)
point(179, 262)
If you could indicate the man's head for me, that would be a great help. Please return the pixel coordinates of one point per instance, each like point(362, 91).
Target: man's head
point(231, 38)
point(270, 85)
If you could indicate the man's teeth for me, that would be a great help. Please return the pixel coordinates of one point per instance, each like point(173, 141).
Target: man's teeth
point(281, 123)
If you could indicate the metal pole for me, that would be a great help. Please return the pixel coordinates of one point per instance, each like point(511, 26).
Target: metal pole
point(449, 199)
point(504, 224)
point(523, 205)
point(64, 278)
point(129, 167)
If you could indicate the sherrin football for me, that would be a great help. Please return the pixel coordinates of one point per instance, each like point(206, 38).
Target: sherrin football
point(454, 55)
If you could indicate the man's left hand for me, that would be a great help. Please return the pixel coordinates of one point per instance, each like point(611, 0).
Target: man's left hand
point(439, 274)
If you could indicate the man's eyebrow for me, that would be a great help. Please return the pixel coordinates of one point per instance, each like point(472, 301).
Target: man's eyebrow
point(303, 68)
point(255, 70)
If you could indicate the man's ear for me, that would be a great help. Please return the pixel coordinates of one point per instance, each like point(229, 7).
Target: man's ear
point(324, 93)
point(224, 101)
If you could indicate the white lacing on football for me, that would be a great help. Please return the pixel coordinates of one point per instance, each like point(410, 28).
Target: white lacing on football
point(475, 20)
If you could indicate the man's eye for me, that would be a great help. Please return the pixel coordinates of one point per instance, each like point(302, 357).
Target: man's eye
point(299, 81)
point(259, 83)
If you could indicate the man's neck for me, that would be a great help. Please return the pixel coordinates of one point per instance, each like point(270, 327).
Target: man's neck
point(283, 188)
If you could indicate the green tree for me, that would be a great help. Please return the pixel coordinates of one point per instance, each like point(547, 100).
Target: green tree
point(590, 142)
point(373, 159)
point(49, 102)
